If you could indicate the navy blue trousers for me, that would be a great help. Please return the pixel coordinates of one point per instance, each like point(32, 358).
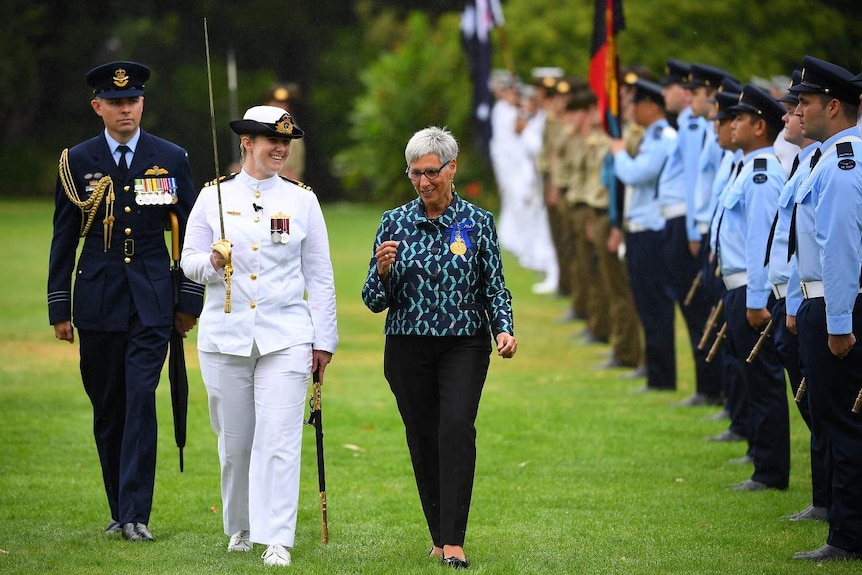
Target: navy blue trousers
point(654, 305)
point(787, 347)
point(682, 269)
point(120, 372)
point(768, 413)
point(833, 385)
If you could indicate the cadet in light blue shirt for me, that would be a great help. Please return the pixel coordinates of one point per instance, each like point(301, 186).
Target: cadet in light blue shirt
point(825, 233)
point(749, 208)
point(643, 225)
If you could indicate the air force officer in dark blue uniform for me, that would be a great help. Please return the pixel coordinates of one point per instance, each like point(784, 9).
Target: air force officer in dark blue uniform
point(116, 191)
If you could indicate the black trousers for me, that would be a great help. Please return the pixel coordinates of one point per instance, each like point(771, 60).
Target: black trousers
point(654, 304)
point(120, 372)
point(768, 414)
point(682, 269)
point(787, 346)
point(437, 383)
point(832, 388)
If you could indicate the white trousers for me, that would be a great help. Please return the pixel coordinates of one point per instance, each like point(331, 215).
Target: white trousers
point(257, 409)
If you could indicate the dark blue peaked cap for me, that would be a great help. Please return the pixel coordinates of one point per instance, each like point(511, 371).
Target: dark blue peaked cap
point(758, 102)
point(791, 97)
point(121, 79)
point(676, 72)
point(709, 76)
point(822, 77)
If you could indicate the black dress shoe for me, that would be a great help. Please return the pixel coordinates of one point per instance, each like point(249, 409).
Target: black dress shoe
point(721, 415)
point(699, 399)
point(614, 363)
point(144, 532)
point(637, 373)
point(646, 388)
point(113, 527)
point(751, 485)
point(130, 533)
point(826, 553)
point(810, 513)
point(136, 532)
point(726, 435)
point(744, 460)
point(455, 563)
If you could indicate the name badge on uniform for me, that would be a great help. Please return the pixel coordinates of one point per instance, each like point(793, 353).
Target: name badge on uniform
point(155, 191)
point(279, 226)
point(459, 241)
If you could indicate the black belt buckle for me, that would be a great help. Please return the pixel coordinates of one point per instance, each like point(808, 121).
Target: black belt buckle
point(128, 247)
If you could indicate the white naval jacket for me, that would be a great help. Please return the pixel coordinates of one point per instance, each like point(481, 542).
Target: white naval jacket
point(269, 279)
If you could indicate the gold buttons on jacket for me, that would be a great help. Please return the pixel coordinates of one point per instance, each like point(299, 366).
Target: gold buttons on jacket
point(253, 276)
point(257, 194)
point(257, 219)
point(127, 209)
point(127, 188)
point(252, 305)
point(127, 260)
point(128, 231)
point(255, 247)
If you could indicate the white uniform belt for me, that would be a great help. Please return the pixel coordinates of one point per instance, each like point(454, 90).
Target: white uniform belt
point(674, 211)
point(779, 291)
point(703, 228)
point(633, 227)
point(811, 290)
point(736, 280)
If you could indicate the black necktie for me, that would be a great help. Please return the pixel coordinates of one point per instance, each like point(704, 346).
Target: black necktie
point(124, 167)
point(795, 166)
point(791, 241)
point(775, 220)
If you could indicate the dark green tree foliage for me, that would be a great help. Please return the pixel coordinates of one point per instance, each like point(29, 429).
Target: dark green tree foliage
point(421, 82)
point(373, 71)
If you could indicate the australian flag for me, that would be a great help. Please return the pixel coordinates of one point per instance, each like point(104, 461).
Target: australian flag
point(477, 21)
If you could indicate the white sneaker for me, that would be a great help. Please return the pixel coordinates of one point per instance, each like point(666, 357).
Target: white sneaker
point(276, 555)
point(239, 541)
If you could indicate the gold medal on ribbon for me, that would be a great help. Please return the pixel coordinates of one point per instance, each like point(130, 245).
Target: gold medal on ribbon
point(458, 247)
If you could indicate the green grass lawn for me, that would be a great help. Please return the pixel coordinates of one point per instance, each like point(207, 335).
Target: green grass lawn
point(576, 474)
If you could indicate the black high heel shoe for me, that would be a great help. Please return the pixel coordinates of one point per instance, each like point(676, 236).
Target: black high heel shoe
point(455, 563)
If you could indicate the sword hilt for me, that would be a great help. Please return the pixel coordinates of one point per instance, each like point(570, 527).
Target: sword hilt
point(800, 391)
point(760, 341)
point(717, 343)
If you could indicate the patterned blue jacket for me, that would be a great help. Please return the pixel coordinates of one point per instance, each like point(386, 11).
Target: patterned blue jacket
point(431, 290)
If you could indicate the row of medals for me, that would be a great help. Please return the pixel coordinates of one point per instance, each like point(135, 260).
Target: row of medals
point(156, 192)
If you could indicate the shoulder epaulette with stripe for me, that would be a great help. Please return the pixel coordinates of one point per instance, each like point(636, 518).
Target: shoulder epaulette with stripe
point(221, 179)
point(759, 164)
point(844, 149)
point(298, 183)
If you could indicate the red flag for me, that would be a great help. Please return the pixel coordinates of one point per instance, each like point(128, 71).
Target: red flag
point(604, 61)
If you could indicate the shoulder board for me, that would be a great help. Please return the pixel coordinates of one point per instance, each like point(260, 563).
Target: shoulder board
point(657, 132)
point(759, 164)
point(298, 183)
point(844, 149)
point(221, 179)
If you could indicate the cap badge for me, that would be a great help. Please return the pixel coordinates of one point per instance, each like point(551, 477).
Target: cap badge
point(285, 125)
point(120, 78)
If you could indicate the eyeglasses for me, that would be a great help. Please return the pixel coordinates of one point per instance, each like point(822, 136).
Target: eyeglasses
point(430, 173)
